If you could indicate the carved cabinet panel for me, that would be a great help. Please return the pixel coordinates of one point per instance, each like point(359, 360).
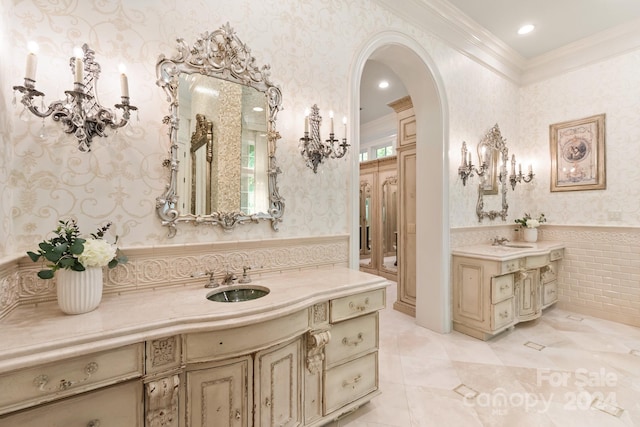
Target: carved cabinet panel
point(220, 395)
point(278, 381)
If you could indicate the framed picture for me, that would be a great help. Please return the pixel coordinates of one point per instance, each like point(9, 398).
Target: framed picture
point(577, 154)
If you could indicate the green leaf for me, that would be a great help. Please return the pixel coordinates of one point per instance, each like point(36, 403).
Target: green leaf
point(67, 262)
point(45, 274)
point(34, 256)
point(112, 263)
point(77, 267)
point(77, 246)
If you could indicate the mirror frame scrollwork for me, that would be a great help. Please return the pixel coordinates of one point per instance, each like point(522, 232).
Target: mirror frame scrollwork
point(494, 142)
point(220, 54)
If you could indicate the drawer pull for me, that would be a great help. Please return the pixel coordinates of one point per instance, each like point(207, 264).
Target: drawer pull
point(238, 416)
point(352, 383)
point(41, 380)
point(504, 287)
point(267, 403)
point(94, 423)
point(355, 342)
point(352, 306)
point(504, 315)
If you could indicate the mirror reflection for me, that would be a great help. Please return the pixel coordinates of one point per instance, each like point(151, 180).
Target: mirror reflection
point(365, 222)
point(223, 146)
point(389, 213)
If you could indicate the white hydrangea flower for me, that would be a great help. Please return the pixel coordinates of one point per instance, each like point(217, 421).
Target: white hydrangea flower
point(533, 223)
point(97, 253)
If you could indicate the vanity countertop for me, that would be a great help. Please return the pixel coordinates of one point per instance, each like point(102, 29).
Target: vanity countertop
point(517, 249)
point(37, 334)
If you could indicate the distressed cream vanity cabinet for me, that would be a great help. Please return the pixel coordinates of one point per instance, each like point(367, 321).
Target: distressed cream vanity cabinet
point(301, 356)
point(495, 287)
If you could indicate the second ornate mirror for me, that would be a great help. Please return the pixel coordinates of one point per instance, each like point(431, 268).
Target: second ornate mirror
point(493, 151)
point(223, 135)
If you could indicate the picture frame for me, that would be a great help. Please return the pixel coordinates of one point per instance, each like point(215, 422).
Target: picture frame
point(578, 154)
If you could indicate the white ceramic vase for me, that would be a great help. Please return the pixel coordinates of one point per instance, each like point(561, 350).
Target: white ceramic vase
point(530, 235)
point(79, 291)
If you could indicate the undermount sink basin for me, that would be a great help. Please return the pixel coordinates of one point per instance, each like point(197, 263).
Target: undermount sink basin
point(237, 293)
point(513, 245)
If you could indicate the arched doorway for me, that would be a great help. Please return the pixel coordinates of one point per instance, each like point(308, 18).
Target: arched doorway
point(408, 59)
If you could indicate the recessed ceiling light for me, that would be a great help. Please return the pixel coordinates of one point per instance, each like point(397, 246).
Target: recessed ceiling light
point(383, 84)
point(526, 29)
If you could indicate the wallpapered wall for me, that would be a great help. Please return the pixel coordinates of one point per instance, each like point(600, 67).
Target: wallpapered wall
point(310, 46)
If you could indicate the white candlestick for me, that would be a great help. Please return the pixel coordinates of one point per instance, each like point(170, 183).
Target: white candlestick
point(78, 70)
point(520, 168)
point(331, 122)
point(306, 123)
point(530, 169)
point(124, 85)
point(32, 63)
point(470, 159)
point(344, 121)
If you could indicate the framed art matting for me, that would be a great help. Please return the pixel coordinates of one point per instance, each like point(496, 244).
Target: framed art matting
point(577, 154)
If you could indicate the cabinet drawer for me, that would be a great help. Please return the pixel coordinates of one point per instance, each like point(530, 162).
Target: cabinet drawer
point(556, 254)
point(501, 288)
point(502, 314)
point(356, 305)
point(549, 293)
point(32, 386)
point(548, 273)
point(536, 261)
point(230, 342)
point(352, 338)
point(510, 266)
point(119, 405)
point(350, 381)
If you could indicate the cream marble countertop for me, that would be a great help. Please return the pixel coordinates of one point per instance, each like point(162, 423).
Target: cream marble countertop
point(506, 253)
point(35, 335)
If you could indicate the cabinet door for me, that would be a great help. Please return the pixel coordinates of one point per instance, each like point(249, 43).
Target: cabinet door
point(278, 376)
point(527, 305)
point(219, 396)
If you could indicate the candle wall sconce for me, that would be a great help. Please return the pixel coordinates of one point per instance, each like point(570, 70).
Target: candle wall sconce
point(515, 178)
point(80, 112)
point(312, 149)
point(467, 168)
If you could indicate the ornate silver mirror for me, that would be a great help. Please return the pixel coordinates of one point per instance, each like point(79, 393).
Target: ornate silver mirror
point(222, 119)
point(493, 150)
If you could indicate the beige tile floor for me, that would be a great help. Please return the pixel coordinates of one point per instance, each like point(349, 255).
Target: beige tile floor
point(561, 370)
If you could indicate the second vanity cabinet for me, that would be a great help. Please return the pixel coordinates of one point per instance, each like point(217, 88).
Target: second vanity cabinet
point(494, 288)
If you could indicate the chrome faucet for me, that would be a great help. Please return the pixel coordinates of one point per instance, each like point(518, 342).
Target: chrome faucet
point(229, 278)
point(499, 241)
point(245, 276)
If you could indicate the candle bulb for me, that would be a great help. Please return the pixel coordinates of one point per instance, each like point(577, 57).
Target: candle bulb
point(32, 61)
point(530, 169)
point(331, 122)
point(344, 121)
point(124, 82)
point(78, 71)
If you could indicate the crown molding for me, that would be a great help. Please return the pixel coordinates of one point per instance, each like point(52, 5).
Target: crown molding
point(446, 22)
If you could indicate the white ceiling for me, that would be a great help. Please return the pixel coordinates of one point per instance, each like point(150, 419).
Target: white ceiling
point(559, 24)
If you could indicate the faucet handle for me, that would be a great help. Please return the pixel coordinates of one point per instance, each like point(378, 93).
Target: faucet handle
point(245, 277)
point(212, 283)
